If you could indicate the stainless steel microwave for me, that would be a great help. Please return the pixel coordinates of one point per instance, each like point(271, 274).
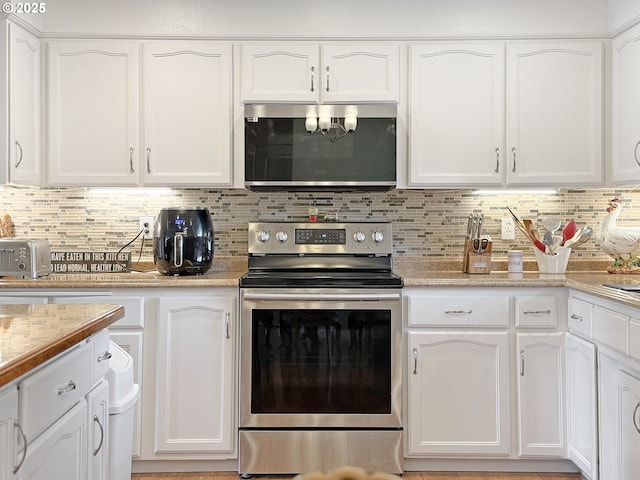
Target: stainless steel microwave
point(320, 147)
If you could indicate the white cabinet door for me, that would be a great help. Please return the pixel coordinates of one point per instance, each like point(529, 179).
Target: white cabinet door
point(93, 113)
point(195, 375)
point(280, 72)
point(98, 432)
point(25, 165)
point(456, 121)
point(628, 425)
point(554, 113)
point(458, 393)
point(8, 432)
point(582, 412)
point(312, 73)
point(60, 452)
point(187, 114)
point(363, 73)
point(626, 98)
point(541, 394)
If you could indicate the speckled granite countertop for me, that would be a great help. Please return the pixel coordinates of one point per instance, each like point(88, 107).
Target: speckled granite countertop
point(32, 334)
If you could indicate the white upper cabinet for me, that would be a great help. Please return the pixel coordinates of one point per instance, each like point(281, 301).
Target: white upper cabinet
point(187, 114)
point(309, 73)
point(25, 165)
point(554, 114)
point(95, 119)
point(19, 106)
point(456, 124)
point(93, 115)
point(626, 116)
point(551, 133)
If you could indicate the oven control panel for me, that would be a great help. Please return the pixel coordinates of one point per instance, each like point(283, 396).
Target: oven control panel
point(357, 238)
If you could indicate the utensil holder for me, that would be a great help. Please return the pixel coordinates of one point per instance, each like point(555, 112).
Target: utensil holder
point(554, 264)
point(478, 263)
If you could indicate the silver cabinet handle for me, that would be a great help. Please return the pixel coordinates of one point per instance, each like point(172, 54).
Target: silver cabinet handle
point(97, 450)
point(19, 161)
point(458, 312)
point(131, 169)
point(69, 387)
point(327, 79)
point(497, 159)
point(635, 411)
point(313, 69)
point(513, 151)
point(576, 317)
point(228, 322)
point(415, 361)
point(522, 362)
point(537, 312)
point(24, 449)
point(107, 355)
point(148, 160)
point(635, 152)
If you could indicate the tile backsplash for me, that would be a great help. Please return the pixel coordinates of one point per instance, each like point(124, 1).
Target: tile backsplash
point(426, 223)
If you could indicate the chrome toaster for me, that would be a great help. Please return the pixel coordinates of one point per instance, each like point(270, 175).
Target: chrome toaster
point(24, 258)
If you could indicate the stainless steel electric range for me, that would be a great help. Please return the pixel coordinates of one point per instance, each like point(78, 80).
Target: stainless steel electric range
point(320, 363)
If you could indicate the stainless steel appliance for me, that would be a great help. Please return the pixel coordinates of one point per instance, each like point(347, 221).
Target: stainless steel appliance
point(24, 258)
point(320, 147)
point(320, 365)
point(183, 241)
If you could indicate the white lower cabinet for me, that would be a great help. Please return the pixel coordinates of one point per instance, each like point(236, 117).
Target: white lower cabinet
point(98, 432)
point(194, 412)
point(582, 416)
point(458, 393)
point(60, 452)
point(8, 432)
point(541, 394)
point(619, 420)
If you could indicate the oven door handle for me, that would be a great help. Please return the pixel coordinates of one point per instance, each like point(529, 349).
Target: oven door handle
point(370, 297)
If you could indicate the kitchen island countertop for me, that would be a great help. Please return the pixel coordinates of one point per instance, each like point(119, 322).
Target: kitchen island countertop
point(32, 334)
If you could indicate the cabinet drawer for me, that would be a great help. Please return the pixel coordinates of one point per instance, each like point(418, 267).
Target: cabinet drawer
point(579, 320)
point(459, 310)
point(48, 393)
point(101, 355)
point(536, 312)
point(610, 328)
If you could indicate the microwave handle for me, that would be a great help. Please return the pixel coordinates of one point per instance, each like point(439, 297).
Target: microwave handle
point(178, 250)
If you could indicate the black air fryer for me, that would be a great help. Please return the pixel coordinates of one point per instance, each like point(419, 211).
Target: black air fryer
point(183, 241)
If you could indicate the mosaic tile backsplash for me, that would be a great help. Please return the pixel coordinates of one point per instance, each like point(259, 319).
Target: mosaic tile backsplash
point(426, 223)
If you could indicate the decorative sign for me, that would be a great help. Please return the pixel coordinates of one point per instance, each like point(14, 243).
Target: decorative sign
point(90, 262)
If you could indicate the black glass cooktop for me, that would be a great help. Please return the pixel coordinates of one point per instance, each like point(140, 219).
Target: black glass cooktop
point(331, 279)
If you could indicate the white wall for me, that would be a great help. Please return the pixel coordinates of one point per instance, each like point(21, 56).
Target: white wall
point(328, 18)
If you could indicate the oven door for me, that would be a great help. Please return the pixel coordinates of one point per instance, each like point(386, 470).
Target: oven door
point(320, 358)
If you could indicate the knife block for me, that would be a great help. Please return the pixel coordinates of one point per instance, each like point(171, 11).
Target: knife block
point(474, 262)
point(479, 263)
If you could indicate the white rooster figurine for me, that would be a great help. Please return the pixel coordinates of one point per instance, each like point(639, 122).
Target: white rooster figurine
point(621, 243)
